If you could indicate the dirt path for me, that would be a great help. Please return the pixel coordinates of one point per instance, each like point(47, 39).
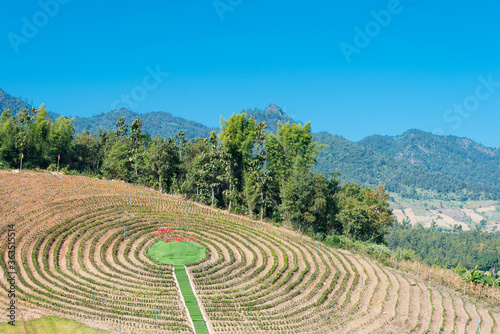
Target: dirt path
point(462, 317)
point(449, 313)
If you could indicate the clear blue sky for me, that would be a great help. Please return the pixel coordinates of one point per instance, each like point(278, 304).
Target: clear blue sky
point(420, 62)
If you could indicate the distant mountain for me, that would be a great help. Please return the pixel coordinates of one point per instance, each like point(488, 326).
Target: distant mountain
point(14, 104)
point(155, 123)
point(460, 158)
point(271, 116)
point(370, 168)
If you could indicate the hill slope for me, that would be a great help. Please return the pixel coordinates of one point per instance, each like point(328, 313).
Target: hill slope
point(361, 165)
point(271, 116)
point(155, 123)
point(256, 277)
point(14, 104)
point(460, 158)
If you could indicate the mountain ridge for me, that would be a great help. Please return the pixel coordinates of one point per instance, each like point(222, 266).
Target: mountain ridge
point(429, 151)
point(154, 122)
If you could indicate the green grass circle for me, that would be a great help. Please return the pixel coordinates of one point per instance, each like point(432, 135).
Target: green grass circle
point(176, 252)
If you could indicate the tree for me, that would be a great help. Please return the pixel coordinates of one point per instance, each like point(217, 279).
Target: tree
point(256, 179)
point(297, 195)
point(38, 135)
point(7, 139)
point(162, 162)
point(137, 142)
point(208, 172)
point(472, 276)
point(238, 135)
point(88, 151)
point(121, 128)
point(283, 149)
point(291, 141)
point(181, 142)
point(188, 169)
point(61, 138)
point(433, 225)
point(117, 162)
point(308, 199)
point(364, 213)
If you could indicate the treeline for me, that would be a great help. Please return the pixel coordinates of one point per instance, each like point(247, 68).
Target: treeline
point(241, 169)
point(448, 249)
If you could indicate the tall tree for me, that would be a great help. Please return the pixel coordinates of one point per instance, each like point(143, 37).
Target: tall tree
point(364, 213)
point(61, 138)
point(256, 178)
point(162, 162)
point(7, 139)
point(121, 128)
point(117, 162)
point(87, 152)
point(291, 142)
point(209, 171)
point(38, 138)
point(237, 137)
point(137, 143)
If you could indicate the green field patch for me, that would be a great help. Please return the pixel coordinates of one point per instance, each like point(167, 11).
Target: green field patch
point(176, 252)
point(48, 325)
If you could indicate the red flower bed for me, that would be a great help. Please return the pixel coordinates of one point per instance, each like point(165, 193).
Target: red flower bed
point(163, 235)
point(163, 232)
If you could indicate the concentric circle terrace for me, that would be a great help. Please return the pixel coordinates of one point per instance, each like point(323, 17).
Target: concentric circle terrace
point(86, 250)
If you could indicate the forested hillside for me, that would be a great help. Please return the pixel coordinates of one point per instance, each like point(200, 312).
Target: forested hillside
point(359, 164)
point(460, 158)
point(271, 116)
point(448, 249)
point(15, 104)
point(155, 123)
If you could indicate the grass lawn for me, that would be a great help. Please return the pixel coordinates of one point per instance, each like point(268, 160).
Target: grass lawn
point(176, 252)
point(48, 325)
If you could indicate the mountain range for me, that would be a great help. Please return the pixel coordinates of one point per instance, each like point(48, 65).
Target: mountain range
point(416, 164)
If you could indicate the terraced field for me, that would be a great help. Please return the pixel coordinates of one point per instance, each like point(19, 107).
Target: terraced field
point(81, 253)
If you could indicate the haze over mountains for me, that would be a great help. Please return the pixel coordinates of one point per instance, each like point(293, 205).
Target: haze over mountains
point(416, 164)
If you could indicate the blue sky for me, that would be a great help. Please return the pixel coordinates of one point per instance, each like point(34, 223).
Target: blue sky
point(408, 64)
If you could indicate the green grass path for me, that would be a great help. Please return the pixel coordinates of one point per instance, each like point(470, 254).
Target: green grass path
point(200, 326)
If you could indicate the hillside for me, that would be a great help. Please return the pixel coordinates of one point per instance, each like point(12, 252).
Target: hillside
point(271, 116)
point(155, 123)
point(460, 158)
point(82, 254)
point(14, 104)
point(370, 168)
